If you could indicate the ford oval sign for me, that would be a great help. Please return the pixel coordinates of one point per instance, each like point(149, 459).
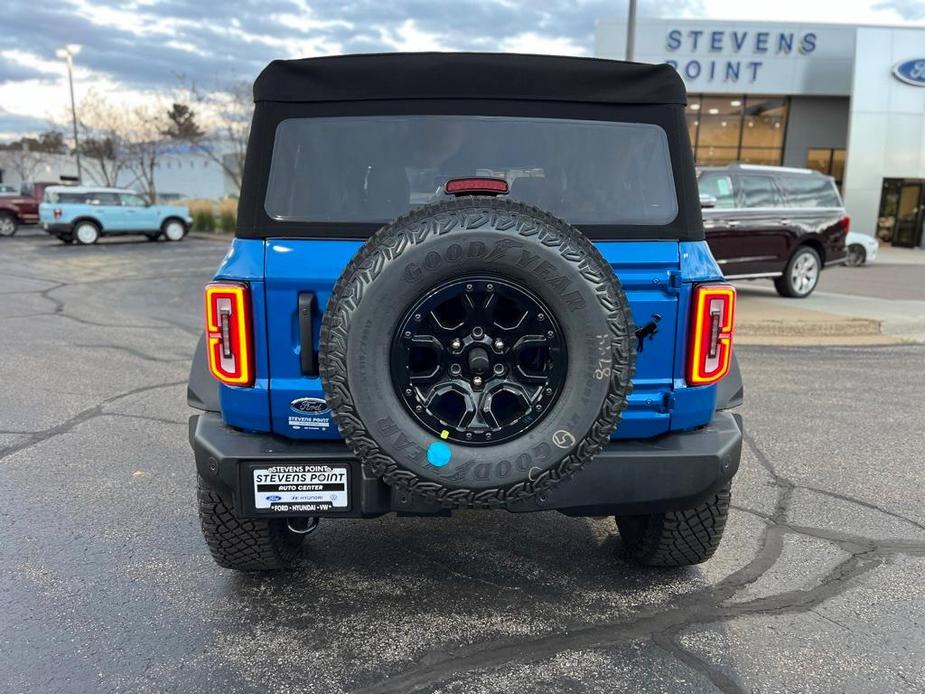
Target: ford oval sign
point(309, 406)
point(911, 72)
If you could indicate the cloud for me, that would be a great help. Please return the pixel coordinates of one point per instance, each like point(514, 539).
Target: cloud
point(154, 45)
point(12, 124)
point(910, 10)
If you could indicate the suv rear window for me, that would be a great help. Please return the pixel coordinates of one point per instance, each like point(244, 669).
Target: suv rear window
point(374, 168)
point(810, 191)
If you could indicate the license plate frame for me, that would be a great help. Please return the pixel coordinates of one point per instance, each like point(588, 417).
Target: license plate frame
point(300, 488)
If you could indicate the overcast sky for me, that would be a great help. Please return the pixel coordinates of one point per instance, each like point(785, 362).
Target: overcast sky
point(132, 49)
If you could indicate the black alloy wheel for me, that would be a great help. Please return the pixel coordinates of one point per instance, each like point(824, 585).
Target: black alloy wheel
point(478, 360)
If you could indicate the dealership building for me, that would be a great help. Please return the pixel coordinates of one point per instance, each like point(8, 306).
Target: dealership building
point(846, 100)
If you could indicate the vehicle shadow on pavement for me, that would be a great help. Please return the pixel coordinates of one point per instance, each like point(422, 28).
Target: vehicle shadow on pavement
point(478, 590)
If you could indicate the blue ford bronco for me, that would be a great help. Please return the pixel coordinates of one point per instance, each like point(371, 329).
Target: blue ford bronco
point(466, 281)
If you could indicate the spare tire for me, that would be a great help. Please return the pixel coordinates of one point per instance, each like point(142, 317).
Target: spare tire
point(476, 352)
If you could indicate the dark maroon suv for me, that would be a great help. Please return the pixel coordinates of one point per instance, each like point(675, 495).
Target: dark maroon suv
point(773, 222)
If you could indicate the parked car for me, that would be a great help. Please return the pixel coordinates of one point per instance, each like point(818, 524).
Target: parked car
point(84, 214)
point(773, 222)
point(861, 248)
point(23, 208)
point(406, 322)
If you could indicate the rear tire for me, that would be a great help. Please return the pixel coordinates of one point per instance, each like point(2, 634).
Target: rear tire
point(801, 274)
point(676, 538)
point(86, 233)
point(7, 224)
point(245, 544)
point(173, 230)
point(857, 256)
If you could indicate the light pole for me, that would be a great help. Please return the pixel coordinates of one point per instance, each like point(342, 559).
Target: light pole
point(631, 30)
point(68, 53)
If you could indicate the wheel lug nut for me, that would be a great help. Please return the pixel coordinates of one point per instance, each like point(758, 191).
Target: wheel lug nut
point(455, 369)
point(538, 408)
point(550, 333)
point(417, 316)
point(418, 408)
point(490, 287)
point(477, 381)
point(499, 369)
point(468, 287)
point(407, 333)
point(487, 434)
point(499, 345)
point(549, 391)
point(409, 392)
point(456, 344)
point(541, 316)
point(477, 332)
point(469, 436)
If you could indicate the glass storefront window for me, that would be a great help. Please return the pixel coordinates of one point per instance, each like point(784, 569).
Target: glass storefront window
point(828, 161)
point(737, 128)
point(767, 156)
point(720, 122)
point(765, 122)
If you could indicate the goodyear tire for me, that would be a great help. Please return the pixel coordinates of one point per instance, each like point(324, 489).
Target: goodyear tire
point(478, 244)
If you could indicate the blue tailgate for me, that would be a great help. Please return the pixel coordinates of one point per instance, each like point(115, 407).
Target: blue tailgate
point(651, 273)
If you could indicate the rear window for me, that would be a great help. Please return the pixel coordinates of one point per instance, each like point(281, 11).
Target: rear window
point(372, 169)
point(810, 191)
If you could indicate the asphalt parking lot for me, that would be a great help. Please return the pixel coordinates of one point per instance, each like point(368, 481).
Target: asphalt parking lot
point(106, 584)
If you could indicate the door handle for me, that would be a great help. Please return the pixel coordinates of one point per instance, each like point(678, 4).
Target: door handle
point(733, 223)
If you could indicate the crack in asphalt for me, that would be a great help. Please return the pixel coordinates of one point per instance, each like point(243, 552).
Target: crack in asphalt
point(35, 438)
point(708, 605)
point(138, 353)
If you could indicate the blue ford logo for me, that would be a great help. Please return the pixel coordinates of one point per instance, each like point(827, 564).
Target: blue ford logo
point(309, 406)
point(274, 498)
point(911, 72)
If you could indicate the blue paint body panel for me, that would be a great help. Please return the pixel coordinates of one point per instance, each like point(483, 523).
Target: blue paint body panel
point(656, 275)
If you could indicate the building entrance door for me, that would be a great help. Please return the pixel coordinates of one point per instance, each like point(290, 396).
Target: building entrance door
point(902, 212)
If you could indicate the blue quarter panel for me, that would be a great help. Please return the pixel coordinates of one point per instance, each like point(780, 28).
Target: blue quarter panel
point(248, 408)
point(656, 275)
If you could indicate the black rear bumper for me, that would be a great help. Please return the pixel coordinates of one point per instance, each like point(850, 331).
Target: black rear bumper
point(672, 472)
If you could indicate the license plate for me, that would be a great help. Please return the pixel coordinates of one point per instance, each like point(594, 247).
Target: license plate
point(301, 488)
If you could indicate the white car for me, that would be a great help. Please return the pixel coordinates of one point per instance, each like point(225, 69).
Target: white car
point(861, 248)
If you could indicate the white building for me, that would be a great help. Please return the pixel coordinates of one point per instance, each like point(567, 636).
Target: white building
point(846, 100)
point(180, 172)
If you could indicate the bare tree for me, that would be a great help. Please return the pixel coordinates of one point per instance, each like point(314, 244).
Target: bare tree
point(24, 162)
point(25, 155)
point(219, 129)
point(105, 128)
point(144, 144)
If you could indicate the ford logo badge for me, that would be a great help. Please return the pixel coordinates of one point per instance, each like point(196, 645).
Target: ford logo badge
point(309, 406)
point(274, 497)
point(911, 72)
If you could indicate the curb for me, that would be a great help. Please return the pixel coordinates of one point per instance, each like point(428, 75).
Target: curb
point(847, 327)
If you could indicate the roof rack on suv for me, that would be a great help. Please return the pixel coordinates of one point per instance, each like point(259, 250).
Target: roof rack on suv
point(765, 167)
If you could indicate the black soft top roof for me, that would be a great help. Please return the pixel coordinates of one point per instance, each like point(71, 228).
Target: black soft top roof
point(468, 76)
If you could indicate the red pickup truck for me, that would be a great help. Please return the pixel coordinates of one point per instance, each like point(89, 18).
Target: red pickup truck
point(16, 210)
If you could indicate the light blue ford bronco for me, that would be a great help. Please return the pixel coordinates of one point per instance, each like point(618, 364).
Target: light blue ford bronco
point(84, 214)
point(466, 281)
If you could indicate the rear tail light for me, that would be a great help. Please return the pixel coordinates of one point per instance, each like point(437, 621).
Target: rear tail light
point(844, 224)
point(228, 330)
point(711, 333)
